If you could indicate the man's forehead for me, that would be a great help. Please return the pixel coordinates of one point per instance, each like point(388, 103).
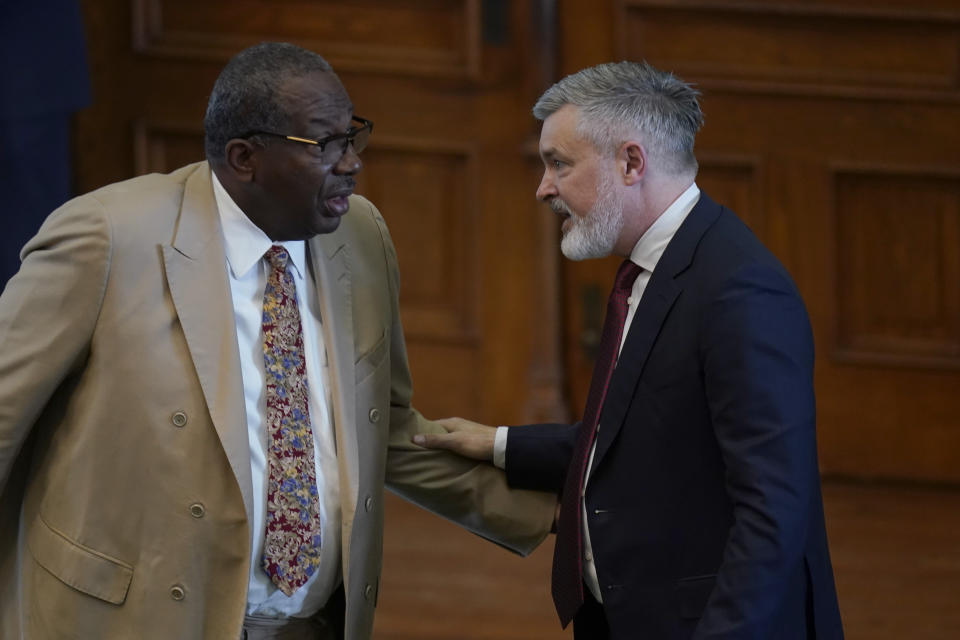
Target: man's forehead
point(563, 119)
point(323, 108)
point(319, 97)
point(559, 131)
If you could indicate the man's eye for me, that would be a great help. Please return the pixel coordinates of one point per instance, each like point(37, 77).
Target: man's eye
point(559, 164)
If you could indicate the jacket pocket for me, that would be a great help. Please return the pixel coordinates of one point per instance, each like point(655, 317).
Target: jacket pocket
point(80, 567)
point(693, 593)
point(371, 359)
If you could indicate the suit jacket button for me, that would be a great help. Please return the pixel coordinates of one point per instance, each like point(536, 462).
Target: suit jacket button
point(197, 510)
point(367, 592)
point(374, 415)
point(177, 592)
point(368, 503)
point(179, 419)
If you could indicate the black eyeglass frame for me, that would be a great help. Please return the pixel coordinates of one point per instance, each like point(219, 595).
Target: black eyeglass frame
point(348, 135)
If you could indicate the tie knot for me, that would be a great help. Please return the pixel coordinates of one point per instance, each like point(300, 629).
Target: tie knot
point(277, 257)
point(626, 275)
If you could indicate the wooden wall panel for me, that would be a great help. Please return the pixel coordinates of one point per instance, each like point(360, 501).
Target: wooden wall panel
point(423, 37)
point(162, 147)
point(445, 379)
point(898, 268)
point(433, 220)
point(799, 48)
point(736, 182)
point(547, 399)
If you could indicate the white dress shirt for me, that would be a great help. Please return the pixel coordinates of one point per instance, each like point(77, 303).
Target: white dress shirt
point(245, 246)
point(646, 253)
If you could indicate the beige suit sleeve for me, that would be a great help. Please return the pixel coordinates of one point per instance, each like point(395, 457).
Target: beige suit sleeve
point(47, 314)
point(473, 495)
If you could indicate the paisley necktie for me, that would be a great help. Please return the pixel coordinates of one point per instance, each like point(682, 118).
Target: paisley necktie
point(291, 551)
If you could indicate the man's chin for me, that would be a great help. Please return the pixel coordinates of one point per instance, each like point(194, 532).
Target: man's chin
point(326, 224)
point(576, 249)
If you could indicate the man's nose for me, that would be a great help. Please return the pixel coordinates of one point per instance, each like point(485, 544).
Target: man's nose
point(547, 188)
point(349, 163)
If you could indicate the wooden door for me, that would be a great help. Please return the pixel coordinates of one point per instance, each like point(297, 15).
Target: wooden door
point(831, 128)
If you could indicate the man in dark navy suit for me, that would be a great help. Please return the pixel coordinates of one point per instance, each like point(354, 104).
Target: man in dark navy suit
point(43, 81)
point(689, 494)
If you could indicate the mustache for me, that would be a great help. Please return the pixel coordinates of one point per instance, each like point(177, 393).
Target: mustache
point(561, 207)
point(347, 184)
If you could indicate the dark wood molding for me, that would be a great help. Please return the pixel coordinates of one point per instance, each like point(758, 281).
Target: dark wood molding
point(894, 11)
point(152, 38)
point(797, 71)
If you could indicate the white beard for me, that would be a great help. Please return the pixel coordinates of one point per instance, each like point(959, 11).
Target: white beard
point(596, 234)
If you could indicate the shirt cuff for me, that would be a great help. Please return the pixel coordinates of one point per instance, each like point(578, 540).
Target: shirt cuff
point(500, 448)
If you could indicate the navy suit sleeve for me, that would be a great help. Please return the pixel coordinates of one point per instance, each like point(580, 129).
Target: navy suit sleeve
point(538, 455)
point(757, 354)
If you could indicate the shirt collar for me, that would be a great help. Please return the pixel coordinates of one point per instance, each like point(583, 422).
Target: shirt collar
point(244, 242)
point(654, 241)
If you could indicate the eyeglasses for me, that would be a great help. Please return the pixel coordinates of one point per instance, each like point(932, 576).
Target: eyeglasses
point(331, 148)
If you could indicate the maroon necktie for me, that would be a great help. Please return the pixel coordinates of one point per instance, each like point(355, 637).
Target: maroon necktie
point(567, 583)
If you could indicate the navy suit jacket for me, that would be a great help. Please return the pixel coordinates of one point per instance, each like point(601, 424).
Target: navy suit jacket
point(704, 501)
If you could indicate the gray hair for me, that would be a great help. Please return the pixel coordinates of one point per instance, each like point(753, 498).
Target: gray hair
point(618, 100)
point(245, 96)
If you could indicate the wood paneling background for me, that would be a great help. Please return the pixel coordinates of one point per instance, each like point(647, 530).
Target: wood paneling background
point(831, 128)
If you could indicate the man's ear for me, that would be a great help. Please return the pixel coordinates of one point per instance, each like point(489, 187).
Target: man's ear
point(242, 159)
point(632, 161)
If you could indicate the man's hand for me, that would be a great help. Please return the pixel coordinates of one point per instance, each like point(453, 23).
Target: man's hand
point(468, 439)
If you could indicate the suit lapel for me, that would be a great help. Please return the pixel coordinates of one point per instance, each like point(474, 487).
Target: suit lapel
point(196, 271)
point(655, 305)
point(658, 299)
point(330, 264)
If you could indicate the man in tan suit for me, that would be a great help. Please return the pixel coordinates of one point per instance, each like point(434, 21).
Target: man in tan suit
point(137, 390)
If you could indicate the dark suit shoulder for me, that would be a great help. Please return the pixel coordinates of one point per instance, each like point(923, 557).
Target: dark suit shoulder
point(729, 250)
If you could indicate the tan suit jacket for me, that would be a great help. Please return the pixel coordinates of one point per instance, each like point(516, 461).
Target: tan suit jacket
point(124, 457)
